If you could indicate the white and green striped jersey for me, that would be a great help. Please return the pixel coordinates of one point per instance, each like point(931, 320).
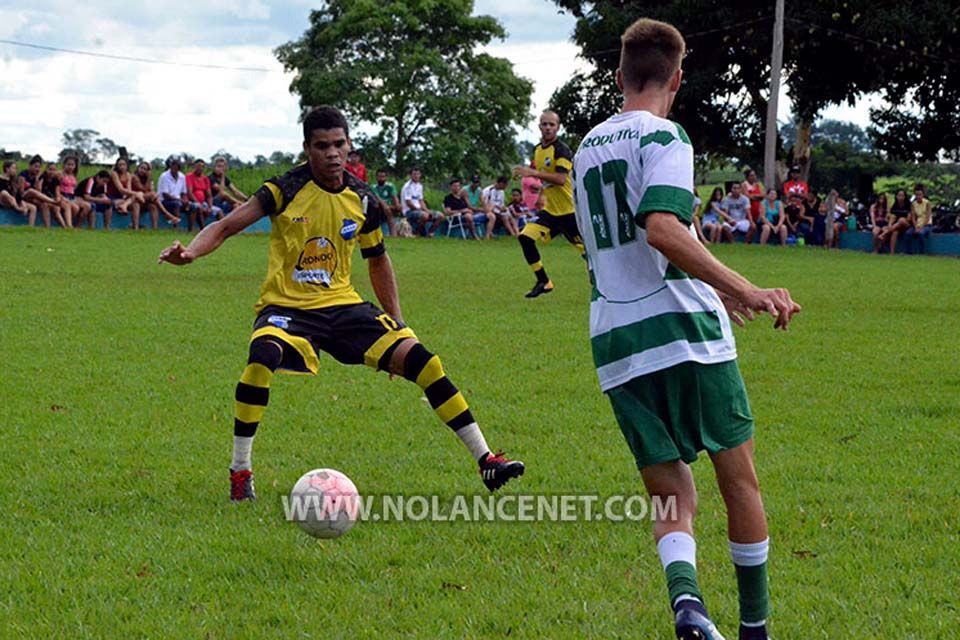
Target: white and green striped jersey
point(645, 314)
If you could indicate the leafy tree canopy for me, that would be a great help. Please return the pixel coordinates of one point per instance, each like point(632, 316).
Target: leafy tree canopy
point(411, 68)
point(835, 52)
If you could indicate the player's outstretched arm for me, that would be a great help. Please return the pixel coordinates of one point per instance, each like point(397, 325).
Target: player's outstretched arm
point(385, 284)
point(213, 235)
point(669, 236)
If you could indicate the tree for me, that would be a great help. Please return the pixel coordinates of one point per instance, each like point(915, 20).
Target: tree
point(279, 157)
point(833, 131)
point(81, 143)
point(412, 67)
point(233, 162)
point(11, 155)
point(88, 146)
point(835, 52)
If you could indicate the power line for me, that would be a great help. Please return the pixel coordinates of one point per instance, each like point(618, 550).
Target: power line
point(133, 58)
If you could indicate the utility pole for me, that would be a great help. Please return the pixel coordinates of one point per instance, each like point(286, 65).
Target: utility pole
point(776, 62)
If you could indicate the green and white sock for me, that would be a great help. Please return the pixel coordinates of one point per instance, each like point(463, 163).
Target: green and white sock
point(750, 562)
point(678, 555)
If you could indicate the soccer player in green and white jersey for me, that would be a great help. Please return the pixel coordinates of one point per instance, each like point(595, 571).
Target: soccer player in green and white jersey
point(660, 327)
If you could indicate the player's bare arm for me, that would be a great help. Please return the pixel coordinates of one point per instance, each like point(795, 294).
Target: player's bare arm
point(670, 237)
point(384, 284)
point(558, 178)
point(213, 235)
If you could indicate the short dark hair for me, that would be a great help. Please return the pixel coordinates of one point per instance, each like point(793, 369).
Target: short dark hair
point(323, 118)
point(516, 191)
point(919, 187)
point(8, 163)
point(454, 180)
point(354, 152)
point(381, 170)
point(103, 173)
point(650, 51)
point(502, 179)
point(36, 160)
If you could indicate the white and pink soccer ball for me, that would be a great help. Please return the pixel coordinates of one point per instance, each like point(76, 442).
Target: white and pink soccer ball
point(324, 502)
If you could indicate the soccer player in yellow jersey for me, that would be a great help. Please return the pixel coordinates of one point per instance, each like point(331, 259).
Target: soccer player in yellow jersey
point(318, 213)
point(552, 162)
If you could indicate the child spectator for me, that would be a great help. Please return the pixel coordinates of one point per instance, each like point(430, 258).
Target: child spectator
point(68, 187)
point(811, 220)
point(94, 191)
point(120, 190)
point(712, 216)
point(226, 195)
point(798, 223)
point(142, 183)
point(879, 211)
point(11, 193)
point(49, 184)
point(518, 209)
point(773, 219)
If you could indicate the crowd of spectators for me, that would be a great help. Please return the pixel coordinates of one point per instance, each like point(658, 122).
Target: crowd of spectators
point(747, 211)
point(58, 196)
point(799, 215)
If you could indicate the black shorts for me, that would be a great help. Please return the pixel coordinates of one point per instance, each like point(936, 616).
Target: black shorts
point(352, 333)
point(545, 227)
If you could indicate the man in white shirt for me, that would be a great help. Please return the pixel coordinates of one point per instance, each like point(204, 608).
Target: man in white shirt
point(415, 208)
point(660, 328)
point(172, 187)
point(494, 205)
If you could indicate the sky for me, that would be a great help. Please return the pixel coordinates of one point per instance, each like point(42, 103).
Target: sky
point(159, 109)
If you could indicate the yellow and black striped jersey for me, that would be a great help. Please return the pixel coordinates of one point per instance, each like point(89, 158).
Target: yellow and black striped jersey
point(556, 158)
point(313, 234)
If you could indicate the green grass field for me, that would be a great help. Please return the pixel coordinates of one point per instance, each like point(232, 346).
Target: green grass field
point(118, 378)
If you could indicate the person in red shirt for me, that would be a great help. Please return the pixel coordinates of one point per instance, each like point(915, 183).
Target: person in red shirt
point(794, 186)
point(355, 166)
point(200, 195)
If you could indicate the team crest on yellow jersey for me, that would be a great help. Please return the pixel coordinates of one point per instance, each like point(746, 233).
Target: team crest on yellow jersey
point(316, 263)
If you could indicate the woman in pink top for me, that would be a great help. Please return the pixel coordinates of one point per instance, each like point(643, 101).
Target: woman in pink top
point(68, 186)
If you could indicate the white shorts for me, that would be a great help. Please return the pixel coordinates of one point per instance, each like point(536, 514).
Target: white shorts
point(741, 226)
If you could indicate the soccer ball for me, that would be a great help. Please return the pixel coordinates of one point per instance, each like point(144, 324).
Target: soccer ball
point(324, 502)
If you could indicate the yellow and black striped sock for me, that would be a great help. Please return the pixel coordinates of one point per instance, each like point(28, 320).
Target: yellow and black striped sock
point(252, 396)
point(532, 256)
point(424, 368)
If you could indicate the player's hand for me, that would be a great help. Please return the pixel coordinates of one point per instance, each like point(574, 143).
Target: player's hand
point(776, 302)
point(176, 254)
point(739, 313)
point(522, 172)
